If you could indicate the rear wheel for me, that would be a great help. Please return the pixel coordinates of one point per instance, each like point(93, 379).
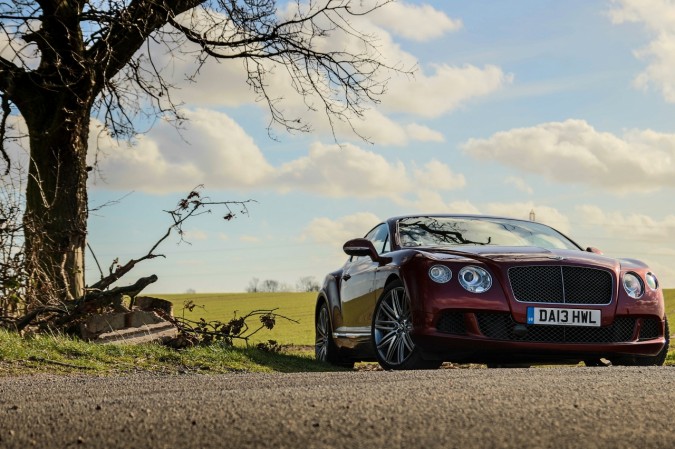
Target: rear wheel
point(324, 346)
point(658, 359)
point(392, 324)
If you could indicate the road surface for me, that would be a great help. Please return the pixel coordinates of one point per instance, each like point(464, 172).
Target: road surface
point(566, 407)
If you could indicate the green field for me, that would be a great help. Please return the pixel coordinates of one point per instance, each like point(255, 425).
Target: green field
point(298, 306)
point(670, 305)
point(223, 306)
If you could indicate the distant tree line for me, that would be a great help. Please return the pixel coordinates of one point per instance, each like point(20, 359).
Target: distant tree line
point(304, 284)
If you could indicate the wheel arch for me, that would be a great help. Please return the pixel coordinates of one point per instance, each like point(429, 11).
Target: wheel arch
point(329, 295)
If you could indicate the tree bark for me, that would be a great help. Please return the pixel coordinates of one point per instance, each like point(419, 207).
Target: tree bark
point(56, 201)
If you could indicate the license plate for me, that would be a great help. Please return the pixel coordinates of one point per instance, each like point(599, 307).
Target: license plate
point(563, 317)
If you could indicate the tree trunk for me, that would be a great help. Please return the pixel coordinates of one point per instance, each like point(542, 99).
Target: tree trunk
point(56, 202)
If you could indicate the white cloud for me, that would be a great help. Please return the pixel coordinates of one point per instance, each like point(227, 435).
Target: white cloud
point(16, 146)
point(347, 170)
point(543, 214)
point(423, 133)
point(430, 93)
point(335, 232)
point(222, 156)
point(635, 235)
point(574, 152)
point(18, 51)
point(462, 207)
point(415, 22)
point(519, 183)
point(658, 16)
point(437, 176)
point(376, 127)
point(431, 201)
point(634, 226)
point(446, 89)
point(216, 151)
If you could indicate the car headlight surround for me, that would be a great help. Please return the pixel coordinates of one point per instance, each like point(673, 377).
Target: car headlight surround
point(440, 274)
point(474, 279)
point(652, 281)
point(633, 285)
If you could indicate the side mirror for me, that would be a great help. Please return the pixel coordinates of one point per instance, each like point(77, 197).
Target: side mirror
point(590, 249)
point(360, 248)
point(364, 248)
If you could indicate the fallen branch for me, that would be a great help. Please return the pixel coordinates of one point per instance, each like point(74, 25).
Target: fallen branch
point(88, 303)
point(204, 332)
point(33, 314)
point(98, 297)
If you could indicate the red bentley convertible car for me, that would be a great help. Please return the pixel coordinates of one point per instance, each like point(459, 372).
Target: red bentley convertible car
point(420, 290)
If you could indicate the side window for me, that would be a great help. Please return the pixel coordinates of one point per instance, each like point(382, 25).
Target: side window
point(380, 238)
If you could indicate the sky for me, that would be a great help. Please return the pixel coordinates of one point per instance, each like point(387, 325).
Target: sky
point(566, 109)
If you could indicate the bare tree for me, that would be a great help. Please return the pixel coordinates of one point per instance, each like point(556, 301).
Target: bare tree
point(253, 285)
point(308, 284)
point(12, 284)
point(64, 61)
point(270, 286)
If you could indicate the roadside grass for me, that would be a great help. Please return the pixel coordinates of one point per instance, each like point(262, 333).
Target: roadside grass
point(57, 354)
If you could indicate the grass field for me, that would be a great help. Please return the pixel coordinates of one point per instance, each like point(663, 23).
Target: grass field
point(300, 307)
point(670, 305)
point(223, 306)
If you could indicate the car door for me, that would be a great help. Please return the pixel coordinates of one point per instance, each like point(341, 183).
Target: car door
point(357, 286)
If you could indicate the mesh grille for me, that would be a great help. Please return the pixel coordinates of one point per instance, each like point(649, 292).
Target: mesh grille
point(561, 284)
point(499, 326)
point(651, 329)
point(452, 323)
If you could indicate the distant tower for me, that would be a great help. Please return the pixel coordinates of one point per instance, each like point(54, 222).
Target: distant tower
point(532, 217)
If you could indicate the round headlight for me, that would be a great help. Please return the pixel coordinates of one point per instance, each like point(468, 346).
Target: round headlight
point(475, 279)
point(652, 282)
point(633, 285)
point(440, 274)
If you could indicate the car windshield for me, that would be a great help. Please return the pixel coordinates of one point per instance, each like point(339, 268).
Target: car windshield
point(456, 231)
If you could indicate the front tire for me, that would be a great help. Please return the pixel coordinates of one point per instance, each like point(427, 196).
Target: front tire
point(324, 346)
point(390, 332)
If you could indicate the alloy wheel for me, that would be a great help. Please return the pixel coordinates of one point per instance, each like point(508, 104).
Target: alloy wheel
point(392, 327)
point(322, 335)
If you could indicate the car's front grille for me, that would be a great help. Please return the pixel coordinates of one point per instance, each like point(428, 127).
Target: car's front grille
point(650, 329)
point(451, 323)
point(500, 326)
point(556, 284)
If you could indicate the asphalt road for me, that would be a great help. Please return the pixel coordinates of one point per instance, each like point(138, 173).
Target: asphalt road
point(565, 407)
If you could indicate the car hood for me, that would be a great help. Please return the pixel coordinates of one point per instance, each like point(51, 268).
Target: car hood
point(528, 254)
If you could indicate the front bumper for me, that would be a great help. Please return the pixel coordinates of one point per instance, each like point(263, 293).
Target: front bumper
point(484, 336)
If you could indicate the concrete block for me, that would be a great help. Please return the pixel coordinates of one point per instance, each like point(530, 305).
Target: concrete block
point(134, 327)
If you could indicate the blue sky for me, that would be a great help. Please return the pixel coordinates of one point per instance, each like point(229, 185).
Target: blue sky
point(564, 108)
